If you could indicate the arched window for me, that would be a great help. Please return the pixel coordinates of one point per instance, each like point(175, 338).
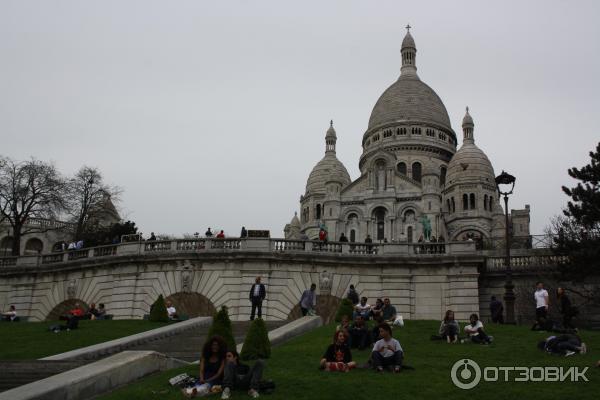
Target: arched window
point(472, 200)
point(443, 171)
point(416, 171)
point(34, 246)
point(491, 203)
point(380, 175)
point(402, 168)
point(379, 214)
point(485, 202)
point(409, 234)
point(318, 211)
point(449, 207)
point(352, 235)
point(465, 202)
point(453, 205)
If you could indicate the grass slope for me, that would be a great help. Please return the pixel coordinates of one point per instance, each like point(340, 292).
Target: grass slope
point(293, 367)
point(32, 340)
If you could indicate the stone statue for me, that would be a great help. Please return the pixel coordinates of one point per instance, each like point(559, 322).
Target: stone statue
point(325, 282)
point(72, 289)
point(426, 227)
point(186, 281)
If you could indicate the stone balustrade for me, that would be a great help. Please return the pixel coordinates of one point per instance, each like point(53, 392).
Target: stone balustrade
point(525, 262)
point(207, 245)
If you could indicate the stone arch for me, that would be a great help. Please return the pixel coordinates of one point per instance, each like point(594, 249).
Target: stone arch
point(6, 245)
point(373, 207)
point(326, 308)
point(408, 207)
point(352, 210)
point(33, 246)
point(63, 307)
point(382, 156)
point(192, 304)
point(457, 236)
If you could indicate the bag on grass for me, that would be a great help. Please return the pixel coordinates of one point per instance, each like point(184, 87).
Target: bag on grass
point(399, 321)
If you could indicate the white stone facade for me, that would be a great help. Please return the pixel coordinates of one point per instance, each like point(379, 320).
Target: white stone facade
point(410, 169)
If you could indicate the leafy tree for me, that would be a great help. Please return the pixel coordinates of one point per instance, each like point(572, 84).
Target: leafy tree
point(158, 311)
point(90, 200)
point(31, 192)
point(221, 326)
point(346, 308)
point(578, 231)
point(257, 344)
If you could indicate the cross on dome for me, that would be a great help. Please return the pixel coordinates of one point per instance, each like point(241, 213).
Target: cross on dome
point(408, 28)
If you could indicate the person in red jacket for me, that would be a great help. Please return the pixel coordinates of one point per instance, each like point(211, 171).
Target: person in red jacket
point(221, 235)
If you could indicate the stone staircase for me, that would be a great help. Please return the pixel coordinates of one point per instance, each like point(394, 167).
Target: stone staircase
point(187, 345)
point(21, 372)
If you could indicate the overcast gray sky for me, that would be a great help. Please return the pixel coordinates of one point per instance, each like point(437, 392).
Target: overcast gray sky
point(214, 113)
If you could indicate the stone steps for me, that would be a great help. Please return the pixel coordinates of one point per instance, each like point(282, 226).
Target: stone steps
point(21, 372)
point(187, 345)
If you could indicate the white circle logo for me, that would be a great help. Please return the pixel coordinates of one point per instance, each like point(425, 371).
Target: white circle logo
point(465, 374)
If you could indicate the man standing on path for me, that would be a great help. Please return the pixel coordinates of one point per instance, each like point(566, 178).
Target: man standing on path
point(308, 301)
point(257, 295)
point(541, 302)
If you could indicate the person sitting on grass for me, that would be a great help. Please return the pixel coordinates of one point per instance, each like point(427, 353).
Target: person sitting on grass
point(387, 351)
point(213, 361)
point(376, 309)
point(10, 315)
point(375, 336)
point(566, 345)
point(388, 312)
point(338, 356)
point(363, 309)
point(475, 331)
point(449, 329)
point(359, 334)
point(241, 376)
point(344, 324)
point(171, 311)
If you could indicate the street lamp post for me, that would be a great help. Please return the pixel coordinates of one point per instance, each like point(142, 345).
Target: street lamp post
point(505, 184)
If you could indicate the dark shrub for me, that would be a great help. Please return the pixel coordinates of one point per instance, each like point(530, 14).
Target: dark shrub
point(158, 311)
point(346, 308)
point(256, 344)
point(221, 326)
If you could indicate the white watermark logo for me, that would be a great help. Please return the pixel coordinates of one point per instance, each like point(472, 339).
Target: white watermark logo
point(466, 374)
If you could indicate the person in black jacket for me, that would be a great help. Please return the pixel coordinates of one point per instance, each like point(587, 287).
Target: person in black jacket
point(241, 376)
point(338, 356)
point(257, 295)
point(567, 310)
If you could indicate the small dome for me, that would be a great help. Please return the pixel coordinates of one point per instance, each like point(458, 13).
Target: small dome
point(326, 170)
point(470, 164)
point(331, 131)
point(295, 222)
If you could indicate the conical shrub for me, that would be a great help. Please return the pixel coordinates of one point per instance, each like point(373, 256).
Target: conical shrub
point(257, 344)
point(221, 326)
point(346, 308)
point(158, 311)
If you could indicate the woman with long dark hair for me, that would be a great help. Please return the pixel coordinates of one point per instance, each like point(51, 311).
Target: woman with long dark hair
point(338, 356)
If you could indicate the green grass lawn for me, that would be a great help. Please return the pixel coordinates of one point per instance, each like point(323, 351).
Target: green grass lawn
point(32, 340)
point(293, 367)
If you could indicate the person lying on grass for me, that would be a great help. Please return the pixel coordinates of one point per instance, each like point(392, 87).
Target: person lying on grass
point(241, 376)
point(338, 357)
point(449, 329)
point(475, 331)
point(566, 345)
point(387, 351)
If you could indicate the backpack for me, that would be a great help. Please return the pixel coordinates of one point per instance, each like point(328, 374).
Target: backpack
point(266, 386)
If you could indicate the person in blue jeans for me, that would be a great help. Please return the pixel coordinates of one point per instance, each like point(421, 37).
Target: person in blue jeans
point(387, 352)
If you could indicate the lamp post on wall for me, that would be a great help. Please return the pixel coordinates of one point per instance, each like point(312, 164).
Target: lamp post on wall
point(505, 184)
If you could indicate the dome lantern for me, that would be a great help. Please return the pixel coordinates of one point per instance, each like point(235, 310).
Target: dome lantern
point(468, 128)
point(409, 54)
point(330, 139)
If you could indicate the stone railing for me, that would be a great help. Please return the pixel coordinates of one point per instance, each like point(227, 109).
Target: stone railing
point(525, 263)
point(255, 245)
point(47, 224)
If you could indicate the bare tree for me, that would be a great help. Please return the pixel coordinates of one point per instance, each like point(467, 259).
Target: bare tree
point(29, 190)
point(89, 199)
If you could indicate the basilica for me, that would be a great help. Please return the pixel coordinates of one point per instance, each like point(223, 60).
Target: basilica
point(414, 184)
